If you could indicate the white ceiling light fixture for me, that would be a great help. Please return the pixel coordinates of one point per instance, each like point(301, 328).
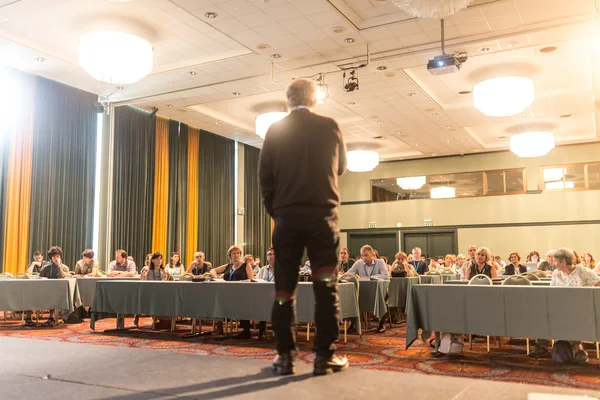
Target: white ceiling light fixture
point(431, 8)
point(322, 89)
point(503, 97)
point(559, 185)
point(362, 160)
point(532, 144)
point(115, 57)
point(411, 183)
point(264, 121)
point(443, 192)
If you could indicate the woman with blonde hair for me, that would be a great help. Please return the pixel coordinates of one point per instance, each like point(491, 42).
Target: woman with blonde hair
point(482, 265)
point(401, 267)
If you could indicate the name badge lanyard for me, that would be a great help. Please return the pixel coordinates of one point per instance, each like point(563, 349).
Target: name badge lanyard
point(372, 271)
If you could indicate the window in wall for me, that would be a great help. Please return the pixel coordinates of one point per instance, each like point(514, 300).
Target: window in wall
point(593, 174)
point(463, 184)
point(564, 177)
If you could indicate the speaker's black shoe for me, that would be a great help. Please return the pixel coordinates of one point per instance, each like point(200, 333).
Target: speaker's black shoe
point(284, 364)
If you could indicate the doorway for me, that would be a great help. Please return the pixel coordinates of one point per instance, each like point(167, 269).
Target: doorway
point(386, 243)
point(432, 244)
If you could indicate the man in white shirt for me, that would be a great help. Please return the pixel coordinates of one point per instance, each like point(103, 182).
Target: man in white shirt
point(368, 268)
point(267, 273)
point(121, 266)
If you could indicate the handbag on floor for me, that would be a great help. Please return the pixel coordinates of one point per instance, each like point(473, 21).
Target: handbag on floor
point(562, 352)
point(451, 344)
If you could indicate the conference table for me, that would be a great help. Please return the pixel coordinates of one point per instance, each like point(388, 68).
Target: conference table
point(548, 312)
point(214, 300)
point(499, 282)
point(87, 287)
point(371, 296)
point(399, 289)
point(39, 294)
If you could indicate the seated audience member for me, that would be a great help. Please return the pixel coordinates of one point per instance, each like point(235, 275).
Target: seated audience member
point(419, 263)
point(257, 263)
point(249, 259)
point(472, 251)
point(401, 267)
point(534, 257)
point(387, 264)
point(514, 266)
point(499, 261)
point(87, 265)
point(577, 260)
point(434, 263)
point(37, 264)
point(588, 261)
point(199, 267)
point(449, 261)
point(410, 258)
point(54, 270)
point(548, 263)
point(423, 258)
point(267, 274)
point(121, 266)
point(175, 267)
point(482, 265)
point(156, 271)
point(460, 268)
point(345, 261)
point(148, 258)
point(368, 268)
point(236, 270)
point(568, 274)
point(130, 258)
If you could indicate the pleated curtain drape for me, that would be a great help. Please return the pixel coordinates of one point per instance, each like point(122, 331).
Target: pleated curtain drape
point(178, 182)
point(133, 183)
point(192, 194)
point(161, 187)
point(216, 179)
point(18, 131)
point(257, 222)
point(63, 170)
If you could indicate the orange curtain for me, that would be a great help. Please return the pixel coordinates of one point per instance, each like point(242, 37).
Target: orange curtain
point(161, 187)
point(192, 200)
point(18, 188)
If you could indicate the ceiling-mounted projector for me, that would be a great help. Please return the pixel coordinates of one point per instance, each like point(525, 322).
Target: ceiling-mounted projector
point(446, 63)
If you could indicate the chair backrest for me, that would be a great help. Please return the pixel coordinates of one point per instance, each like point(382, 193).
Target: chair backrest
point(438, 273)
point(539, 274)
point(22, 275)
point(100, 274)
point(481, 280)
point(530, 276)
point(6, 275)
point(517, 280)
point(187, 277)
point(354, 279)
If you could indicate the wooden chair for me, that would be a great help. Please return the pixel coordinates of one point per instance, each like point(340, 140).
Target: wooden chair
point(518, 280)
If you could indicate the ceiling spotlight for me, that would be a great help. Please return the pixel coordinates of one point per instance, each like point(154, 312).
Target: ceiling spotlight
point(192, 73)
point(351, 103)
point(275, 56)
point(211, 15)
point(484, 49)
point(398, 132)
point(548, 49)
point(352, 84)
point(350, 40)
point(338, 29)
point(169, 105)
point(262, 46)
point(120, 87)
point(411, 94)
point(465, 92)
point(436, 114)
point(433, 154)
point(380, 121)
point(448, 126)
point(236, 94)
point(218, 123)
point(40, 59)
point(381, 68)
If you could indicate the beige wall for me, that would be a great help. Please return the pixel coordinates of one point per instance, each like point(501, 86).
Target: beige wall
point(505, 240)
point(511, 209)
point(547, 206)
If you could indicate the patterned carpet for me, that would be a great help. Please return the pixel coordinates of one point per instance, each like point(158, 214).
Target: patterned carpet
point(375, 351)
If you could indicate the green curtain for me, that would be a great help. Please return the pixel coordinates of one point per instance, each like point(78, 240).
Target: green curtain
point(133, 183)
point(3, 167)
point(178, 169)
point(216, 176)
point(257, 223)
point(63, 170)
